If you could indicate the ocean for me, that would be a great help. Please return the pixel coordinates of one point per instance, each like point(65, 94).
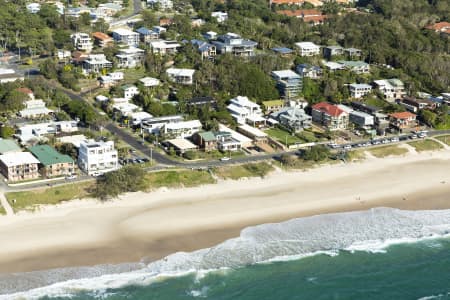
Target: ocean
point(381, 253)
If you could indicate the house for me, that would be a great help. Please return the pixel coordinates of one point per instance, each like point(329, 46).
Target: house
point(289, 83)
point(181, 76)
point(33, 8)
point(27, 92)
point(258, 136)
point(165, 22)
point(210, 35)
point(392, 89)
point(110, 79)
point(129, 91)
point(402, 120)
point(372, 110)
point(19, 166)
point(137, 117)
point(333, 66)
point(359, 90)
point(309, 71)
point(244, 141)
point(183, 129)
point(227, 143)
point(126, 109)
point(441, 27)
point(159, 29)
point(156, 125)
point(330, 116)
point(130, 57)
point(126, 36)
point(147, 35)
point(330, 51)
point(163, 47)
point(63, 54)
point(271, 106)
point(34, 109)
point(95, 63)
point(358, 67)
point(353, 52)
point(8, 146)
point(293, 118)
point(243, 110)
point(206, 140)
point(307, 49)
point(219, 16)
point(82, 41)
point(414, 104)
point(102, 39)
point(201, 102)
point(197, 22)
point(161, 4)
point(98, 157)
point(235, 44)
point(74, 140)
point(9, 75)
point(180, 145)
point(315, 3)
point(149, 81)
point(207, 50)
point(51, 162)
point(283, 51)
point(362, 119)
point(109, 9)
point(311, 16)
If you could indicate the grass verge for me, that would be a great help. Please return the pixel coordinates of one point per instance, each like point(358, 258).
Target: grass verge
point(444, 138)
point(29, 200)
point(176, 179)
point(2, 210)
point(240, 171)
point(426, 145)
point(384, 151)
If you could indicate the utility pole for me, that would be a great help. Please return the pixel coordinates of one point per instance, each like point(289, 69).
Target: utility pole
point(151, 156)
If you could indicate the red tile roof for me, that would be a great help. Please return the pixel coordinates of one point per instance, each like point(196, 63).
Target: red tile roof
point(441, 26)
point(329, 109)
point(25, 90)
point(315, 19)
point(101, 36)
point(300, 13)
point(403, 115)
point(287, 1)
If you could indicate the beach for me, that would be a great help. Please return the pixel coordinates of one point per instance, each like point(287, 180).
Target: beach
point(149, 226)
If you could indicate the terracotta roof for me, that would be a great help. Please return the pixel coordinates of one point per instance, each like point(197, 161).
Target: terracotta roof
point(165, 21)
point(441, 26)
point(329, 109)
point(25, 90)
point(300, 13)
point(287, 1)
point(315, 19)
point(403, 115)
point(101, 36)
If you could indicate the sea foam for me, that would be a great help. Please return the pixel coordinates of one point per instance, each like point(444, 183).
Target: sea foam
point(373, 231)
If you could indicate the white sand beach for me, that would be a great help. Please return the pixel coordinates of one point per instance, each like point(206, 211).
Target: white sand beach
point(151, 225)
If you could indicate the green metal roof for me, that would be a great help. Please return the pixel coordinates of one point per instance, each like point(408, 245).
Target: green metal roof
point(207, 136)
point(49, 156)
point(8, 146)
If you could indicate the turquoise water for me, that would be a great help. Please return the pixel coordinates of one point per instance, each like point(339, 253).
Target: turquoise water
point(377, 254)
point(406, 271)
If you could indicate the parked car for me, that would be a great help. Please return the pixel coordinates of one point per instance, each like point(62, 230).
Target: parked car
point(413, 136)
point(96, 174)
point(394, 139)
point(71, 177)
point(225, 158)
point(348, 147)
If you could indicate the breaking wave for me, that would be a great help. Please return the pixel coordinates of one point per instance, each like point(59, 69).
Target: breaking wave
point(372, 231)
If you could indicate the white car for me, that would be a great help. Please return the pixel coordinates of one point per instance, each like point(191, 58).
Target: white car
point(225, 158)
point(96, 174)
point(71, 177)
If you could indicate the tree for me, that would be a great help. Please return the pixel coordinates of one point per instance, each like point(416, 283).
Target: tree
point(316, 153)
point(127, 179)
point(6, 131)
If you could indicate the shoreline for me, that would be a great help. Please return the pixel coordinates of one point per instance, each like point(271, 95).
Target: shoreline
point(149, 226)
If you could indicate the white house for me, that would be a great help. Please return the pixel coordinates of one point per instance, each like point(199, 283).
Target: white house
point(233, 43)
point(130, 57)
point(181, 76)
point(98, 157)
point(129, 91)
point(359, 90)
point(34, 108)
point(182, 129)
point(38, 131)
point(126, 36)
point(155, 125)
point(220, 16)
point(82, 41)
point(95, 63)
point(391, 88)
point(149, 81)
point(243, 110)
point(162, 4)
point(126, 109)
point(138, 117)
point(62, 54)
point(164, 47)
point(33, 8)
point(307, 49)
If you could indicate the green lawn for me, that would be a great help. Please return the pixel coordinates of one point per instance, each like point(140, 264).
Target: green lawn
point(179, 178)
point(281, 135)
point(444, 138)
point(384, 151)
point(240, 171)
point(132, 75)
point(28, 200)
point(426, 145)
